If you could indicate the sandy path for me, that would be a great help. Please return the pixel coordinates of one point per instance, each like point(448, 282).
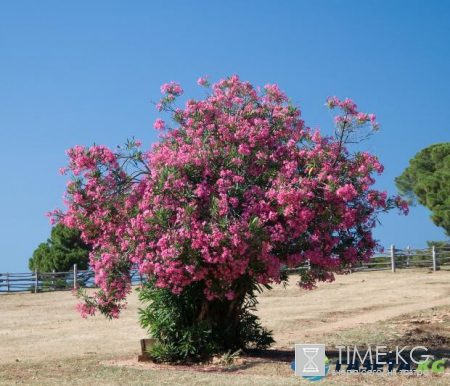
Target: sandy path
point(378, 315)
point(41, 326)
point(352, 300)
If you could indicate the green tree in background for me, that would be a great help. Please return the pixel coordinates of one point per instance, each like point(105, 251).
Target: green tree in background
point(439, 244)
point(427, 181)
point(64, 249)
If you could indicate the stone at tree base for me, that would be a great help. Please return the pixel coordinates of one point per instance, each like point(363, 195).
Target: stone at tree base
point(145, 345)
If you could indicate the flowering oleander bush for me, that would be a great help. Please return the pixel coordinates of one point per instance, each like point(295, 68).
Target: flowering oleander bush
point(237, 188)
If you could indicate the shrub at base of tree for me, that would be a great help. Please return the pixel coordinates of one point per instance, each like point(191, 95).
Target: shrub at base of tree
point(190, 328)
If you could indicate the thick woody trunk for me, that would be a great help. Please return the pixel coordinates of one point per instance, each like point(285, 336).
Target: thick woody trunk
point(225, 315)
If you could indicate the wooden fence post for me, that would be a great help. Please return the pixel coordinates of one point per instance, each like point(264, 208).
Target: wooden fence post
point(433, 255)
point(36, 281)
point(393, 257)
point(75, 276)
point(53, 279)
point(7, 281)
point(408, 255)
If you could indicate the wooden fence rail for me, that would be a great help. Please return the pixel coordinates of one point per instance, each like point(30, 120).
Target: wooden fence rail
point(391, 260)
point(394, 259)
point(52, 281)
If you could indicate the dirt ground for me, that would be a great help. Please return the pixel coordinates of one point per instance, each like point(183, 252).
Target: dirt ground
point(407, 307)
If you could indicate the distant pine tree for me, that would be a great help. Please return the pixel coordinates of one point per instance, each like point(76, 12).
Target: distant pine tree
point(427, 181)
point(64, 249)
point(439, 244)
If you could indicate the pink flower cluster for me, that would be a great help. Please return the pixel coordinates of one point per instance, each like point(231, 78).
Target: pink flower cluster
point(351, 116)
point(170, 91)
point(240, 187)
point(203, 81)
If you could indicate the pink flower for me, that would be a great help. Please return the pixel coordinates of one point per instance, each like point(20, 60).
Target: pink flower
point(85, 310)
point(159, 124)
point(347, 192)
point(171, 88)
point(203, 81)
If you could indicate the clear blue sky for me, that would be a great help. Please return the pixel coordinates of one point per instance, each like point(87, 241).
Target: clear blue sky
point(86, 71)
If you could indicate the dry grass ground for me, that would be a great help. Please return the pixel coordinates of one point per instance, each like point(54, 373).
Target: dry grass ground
point(43, 341)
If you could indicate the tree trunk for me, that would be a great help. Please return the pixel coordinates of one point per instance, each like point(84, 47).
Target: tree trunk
point(224, 316)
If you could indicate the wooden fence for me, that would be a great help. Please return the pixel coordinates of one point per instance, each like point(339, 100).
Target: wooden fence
point(392, 260)
point(52, 281)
